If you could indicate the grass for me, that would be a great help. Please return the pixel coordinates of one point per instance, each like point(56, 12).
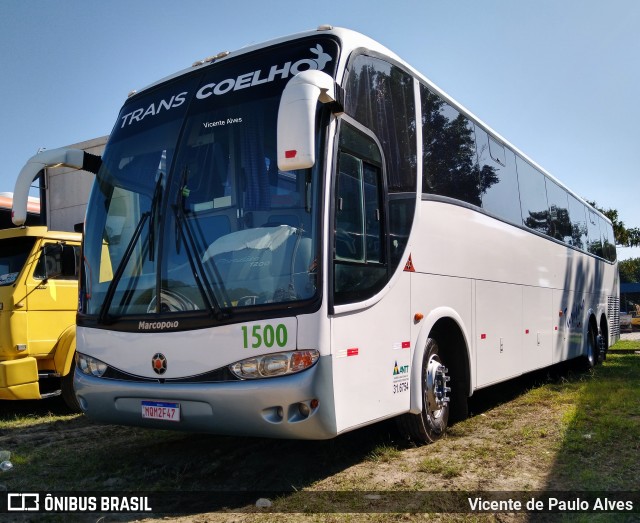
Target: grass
point(602, 435)
point(435, 465)
point(384, 453)
point(556, 430)
point(626, 345)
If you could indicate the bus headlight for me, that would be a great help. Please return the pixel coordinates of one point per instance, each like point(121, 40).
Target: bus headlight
point(277, 364)
point(90, 366)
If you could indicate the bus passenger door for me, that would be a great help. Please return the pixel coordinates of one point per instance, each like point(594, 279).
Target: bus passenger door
point(370, 327)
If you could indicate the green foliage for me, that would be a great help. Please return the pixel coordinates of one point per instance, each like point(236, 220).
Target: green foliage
point(604, 429)
point(629, 270)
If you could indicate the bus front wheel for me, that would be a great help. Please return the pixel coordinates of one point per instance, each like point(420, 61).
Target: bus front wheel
point(68, 392)
point(431, 423)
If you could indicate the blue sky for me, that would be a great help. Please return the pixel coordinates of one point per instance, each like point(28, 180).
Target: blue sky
point(560, 79)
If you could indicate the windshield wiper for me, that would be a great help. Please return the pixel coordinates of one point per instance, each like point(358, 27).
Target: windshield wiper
point(111, 290)
point(196, 265)
point(157, 196)
point(151, 214)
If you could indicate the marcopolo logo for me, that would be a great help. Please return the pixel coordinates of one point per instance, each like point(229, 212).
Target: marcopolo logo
point(157, 325)
point(159, 363)
point(259, 76)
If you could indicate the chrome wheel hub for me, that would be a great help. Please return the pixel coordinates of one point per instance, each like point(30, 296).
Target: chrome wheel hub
point(437, 391)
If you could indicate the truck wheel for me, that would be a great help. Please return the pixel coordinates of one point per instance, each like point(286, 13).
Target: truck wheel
point(431, 423)
point(68, 393)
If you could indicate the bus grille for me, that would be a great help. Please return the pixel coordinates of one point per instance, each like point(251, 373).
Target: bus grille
point(614, 315)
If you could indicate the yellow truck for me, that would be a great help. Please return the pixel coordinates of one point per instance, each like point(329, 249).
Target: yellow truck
point(38, 303)
point(635, 318)
point(39, 268)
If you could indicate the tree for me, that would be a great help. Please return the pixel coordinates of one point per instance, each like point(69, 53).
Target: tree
point(629, 270)
point(624, 237)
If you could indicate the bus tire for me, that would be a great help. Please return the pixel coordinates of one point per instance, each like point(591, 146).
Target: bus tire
point(431, 423)
point(68, 392)
point(591, 349)
point(602, 343)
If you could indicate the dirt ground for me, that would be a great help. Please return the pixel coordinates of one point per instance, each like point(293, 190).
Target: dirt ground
point(511, 443)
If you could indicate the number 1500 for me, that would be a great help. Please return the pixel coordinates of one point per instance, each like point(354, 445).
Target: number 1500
point(265, 335)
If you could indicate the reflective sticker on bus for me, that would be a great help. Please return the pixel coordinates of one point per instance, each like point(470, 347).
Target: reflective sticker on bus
point(345, 353)
point(409, 265)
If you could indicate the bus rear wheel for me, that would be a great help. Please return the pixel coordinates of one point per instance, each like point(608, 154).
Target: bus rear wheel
point(591, 350)
point(431, 423)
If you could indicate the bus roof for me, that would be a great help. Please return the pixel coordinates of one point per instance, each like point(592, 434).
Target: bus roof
point(350, 41)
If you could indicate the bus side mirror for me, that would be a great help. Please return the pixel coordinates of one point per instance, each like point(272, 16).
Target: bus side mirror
point(297, 117)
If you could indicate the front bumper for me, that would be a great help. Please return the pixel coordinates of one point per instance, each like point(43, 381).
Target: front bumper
point(266, 407)
point(19, 379)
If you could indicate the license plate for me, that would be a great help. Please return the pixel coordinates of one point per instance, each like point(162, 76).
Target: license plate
point(161, 410)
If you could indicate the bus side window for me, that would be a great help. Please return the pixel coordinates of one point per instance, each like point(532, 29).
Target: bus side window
point(559, 217)
point(533, 197)
point(595, 236)
point(608, 241)
point(449, 151)
point(498, 178)
point(577, 213)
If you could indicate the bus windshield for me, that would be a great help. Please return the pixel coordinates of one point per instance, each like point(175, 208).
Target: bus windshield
point(190, 212)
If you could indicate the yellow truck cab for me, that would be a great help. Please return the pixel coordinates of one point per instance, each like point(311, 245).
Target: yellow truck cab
point(38, 303)
point(39, 268)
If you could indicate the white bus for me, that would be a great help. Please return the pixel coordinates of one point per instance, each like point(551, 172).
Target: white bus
point(306, 236)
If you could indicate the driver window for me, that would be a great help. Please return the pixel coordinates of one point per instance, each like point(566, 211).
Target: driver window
point(349, 210)
point(360, 268)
